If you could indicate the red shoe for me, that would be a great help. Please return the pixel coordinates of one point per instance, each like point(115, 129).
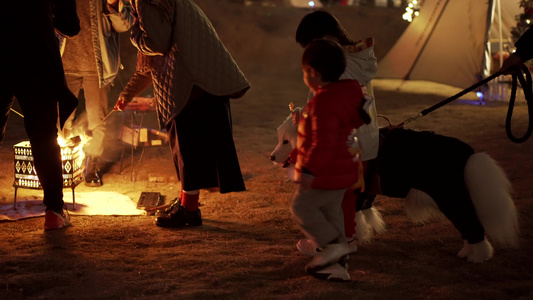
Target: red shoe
point(54, 220)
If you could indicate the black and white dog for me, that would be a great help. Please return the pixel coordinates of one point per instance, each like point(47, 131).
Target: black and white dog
point(439, 175)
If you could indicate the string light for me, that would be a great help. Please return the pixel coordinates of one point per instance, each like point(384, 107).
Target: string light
point(412, 10)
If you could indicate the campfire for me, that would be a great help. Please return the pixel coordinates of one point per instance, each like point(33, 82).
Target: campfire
point(72, 157)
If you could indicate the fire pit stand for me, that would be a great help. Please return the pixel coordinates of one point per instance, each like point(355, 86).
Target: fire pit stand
point(26, 176)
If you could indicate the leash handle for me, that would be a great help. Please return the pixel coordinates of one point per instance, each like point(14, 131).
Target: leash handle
point(527, 86)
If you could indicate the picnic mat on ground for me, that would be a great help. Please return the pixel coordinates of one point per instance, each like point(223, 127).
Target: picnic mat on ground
point(87, 204)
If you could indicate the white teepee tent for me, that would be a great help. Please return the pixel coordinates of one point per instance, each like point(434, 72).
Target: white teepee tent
point(451, 41)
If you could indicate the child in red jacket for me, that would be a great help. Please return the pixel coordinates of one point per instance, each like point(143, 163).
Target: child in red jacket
point(324, 165)
point(361, 219)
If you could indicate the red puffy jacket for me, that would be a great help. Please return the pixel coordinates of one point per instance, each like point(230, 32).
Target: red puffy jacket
point(323, 130)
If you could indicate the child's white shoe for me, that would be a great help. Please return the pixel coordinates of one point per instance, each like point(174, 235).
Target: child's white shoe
point(331, 254)
point(334, 272)
point(311, 248)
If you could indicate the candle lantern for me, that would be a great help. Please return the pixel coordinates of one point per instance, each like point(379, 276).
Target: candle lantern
point(72, 158)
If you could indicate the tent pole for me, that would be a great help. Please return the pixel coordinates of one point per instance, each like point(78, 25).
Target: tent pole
point(499, 8)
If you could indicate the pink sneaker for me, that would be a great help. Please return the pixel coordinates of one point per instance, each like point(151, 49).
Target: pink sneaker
point(308, 247)
point(54, 220)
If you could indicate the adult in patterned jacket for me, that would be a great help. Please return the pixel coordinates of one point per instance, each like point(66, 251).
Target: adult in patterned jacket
point(194, 76)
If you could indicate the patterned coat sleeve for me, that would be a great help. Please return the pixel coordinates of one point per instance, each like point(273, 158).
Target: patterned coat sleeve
point(152, 32)
point(140, 81)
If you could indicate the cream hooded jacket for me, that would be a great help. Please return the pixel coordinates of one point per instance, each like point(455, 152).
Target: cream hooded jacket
point(185, 51)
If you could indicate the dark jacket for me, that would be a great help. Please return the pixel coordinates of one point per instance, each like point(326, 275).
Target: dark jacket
point(29, 52)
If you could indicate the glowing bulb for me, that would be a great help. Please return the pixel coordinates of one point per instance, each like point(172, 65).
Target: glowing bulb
point(312, 3)
point(411, 10)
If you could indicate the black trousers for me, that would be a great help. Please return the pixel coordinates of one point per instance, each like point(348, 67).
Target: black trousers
point(201, 141)
point(40, 121)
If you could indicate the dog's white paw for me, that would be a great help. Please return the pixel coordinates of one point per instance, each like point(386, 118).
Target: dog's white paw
point(476, 253)
point(466, 251)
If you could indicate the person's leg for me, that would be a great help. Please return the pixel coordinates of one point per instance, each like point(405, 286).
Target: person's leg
point(349, 200)
point(189, 199)
point(40, 122)
point(74, 85)
point(96, 103)
point(204, 155)
point(333, 213)
point(318, 213)
point(204, 150)
point(184, 210)
point(336, 250)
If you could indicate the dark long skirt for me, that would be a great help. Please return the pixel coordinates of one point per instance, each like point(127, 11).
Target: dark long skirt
point(201, 141)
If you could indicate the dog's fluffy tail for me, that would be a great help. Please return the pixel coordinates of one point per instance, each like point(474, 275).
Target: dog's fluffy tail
point(421, 208)
point(490, 191)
